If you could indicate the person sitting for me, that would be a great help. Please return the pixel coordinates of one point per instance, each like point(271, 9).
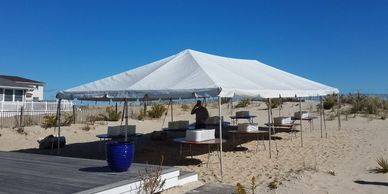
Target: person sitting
point(201, 115)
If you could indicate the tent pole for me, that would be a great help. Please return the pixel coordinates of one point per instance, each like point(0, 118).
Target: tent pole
point(269, 127)
point(126, 119)
point(172, 114)
point(321, 115)
point(339, 111)
point(301, 127)
point(220, 126)
point(59, 124)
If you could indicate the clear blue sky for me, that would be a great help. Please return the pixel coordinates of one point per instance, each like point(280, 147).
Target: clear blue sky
point(66, 43)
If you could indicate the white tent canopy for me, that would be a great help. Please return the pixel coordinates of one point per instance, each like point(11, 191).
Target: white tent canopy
point(190, 74)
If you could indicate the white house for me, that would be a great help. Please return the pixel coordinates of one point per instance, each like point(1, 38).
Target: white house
point(15, 88)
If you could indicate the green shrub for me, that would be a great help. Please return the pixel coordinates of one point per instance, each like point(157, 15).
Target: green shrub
point(240, 189)
point(244, 102)
point(329, 102)
point(185, 107)
point(156, 111)
point(141, 115)
point(93, 118)
point(49, 121)
point(68, 119)
point(275, 102)
point(383, 165)
point(112, 114)
point(86, 128)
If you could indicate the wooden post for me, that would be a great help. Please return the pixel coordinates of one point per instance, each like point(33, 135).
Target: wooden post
point(321, 116)
point(59, 123)
point(172, 113)
point(301, 127)
point(116, 108)
point(339, 111)
point(145, 109)
point(21, 116)
point(269, 127)
point(126, 119)
point(74, 116)
point(220, 131)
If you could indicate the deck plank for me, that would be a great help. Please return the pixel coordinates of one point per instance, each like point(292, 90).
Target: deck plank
point(35, 173)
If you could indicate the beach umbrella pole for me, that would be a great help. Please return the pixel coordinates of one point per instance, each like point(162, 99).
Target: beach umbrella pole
point(220, 129)
point(269, 126)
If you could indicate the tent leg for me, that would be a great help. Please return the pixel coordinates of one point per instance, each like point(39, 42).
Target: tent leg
point(339, 111)
point(220, 126)
point(59, 124)
point(269, 127)
point(301, 127)
point(126, 119)
point(321, 115)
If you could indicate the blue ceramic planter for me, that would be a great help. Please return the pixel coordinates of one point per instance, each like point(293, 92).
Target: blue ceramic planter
point(119, 155)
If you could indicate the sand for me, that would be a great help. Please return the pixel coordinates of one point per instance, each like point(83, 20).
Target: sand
point(350, 153)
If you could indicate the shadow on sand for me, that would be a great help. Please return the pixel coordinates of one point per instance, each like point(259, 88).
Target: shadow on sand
point(371, 183)
point(148, 151)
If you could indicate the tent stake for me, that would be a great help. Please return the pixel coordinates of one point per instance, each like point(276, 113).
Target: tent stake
point(220, 126)
point(269, 127)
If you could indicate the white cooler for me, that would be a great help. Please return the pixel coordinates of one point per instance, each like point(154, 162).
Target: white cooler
point(200, 135)
point(304, 114)
point(282, 120)
point(247, 127)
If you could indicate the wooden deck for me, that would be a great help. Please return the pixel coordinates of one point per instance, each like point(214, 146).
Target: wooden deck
point(34, 173)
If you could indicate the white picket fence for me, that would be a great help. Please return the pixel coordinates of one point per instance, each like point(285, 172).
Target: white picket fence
point(41, 107)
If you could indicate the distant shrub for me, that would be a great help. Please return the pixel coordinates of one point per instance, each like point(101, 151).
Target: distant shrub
point(329, 102)
point(240, 189)
point(156, 111)
point(225, 100)
point(273, 184)
point(275, 102)
point(49, 121)
point(112, 115)
point(244, 102)
point(141, 115)
point(185, 107)
point(68, 119)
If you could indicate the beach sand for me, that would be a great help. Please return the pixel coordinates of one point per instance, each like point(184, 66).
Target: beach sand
point(350, 152)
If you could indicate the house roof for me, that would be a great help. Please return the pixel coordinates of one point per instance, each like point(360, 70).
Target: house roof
point(21, 79)
point(5, 83)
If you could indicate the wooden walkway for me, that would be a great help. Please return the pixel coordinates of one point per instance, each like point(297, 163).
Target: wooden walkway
point(34, 173)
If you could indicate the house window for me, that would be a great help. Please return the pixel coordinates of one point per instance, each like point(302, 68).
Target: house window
point(18, 95)
point(8, 95)
point(1, 94)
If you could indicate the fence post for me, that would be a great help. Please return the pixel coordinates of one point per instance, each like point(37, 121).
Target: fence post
point(74, 114)
point(32, 106)
point(21, 117)
point(45, 107)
